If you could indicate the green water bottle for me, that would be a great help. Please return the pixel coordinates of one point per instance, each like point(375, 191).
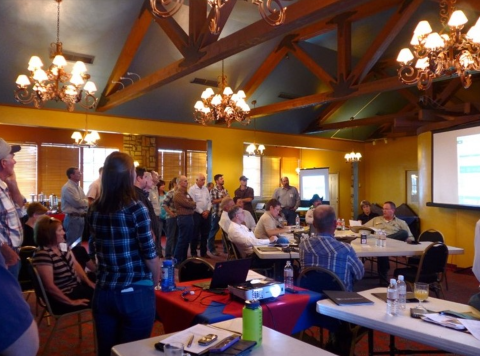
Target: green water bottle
point(252, 321)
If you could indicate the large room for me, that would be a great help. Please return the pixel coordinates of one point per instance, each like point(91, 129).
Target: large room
point(321, 81)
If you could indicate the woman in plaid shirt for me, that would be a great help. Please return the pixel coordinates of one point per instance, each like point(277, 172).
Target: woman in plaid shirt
point(128, 267)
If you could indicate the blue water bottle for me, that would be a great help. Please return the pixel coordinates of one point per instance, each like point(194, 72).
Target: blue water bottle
point(168, 276)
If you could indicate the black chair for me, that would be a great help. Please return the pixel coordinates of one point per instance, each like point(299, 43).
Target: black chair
point(24, 275)
point(431, 268)
point(43, 301)
point(319, 279)
point(431, 235)
point(194, 268)
point(232, 253)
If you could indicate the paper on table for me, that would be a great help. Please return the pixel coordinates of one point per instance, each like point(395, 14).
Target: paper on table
point(444, 320)
point(355, 222)
point(198, 331)
point(473, 326)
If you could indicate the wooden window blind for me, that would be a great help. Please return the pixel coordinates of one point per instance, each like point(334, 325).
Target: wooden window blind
point(54, 161)
point(196, 163)
point(170, 164)
point(26, 168)
point(270, 176)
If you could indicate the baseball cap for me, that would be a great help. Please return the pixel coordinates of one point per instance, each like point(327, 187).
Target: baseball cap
point(243, 178)
point(6, 149)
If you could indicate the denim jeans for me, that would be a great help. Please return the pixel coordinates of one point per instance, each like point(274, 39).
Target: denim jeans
point(213, 231)
point(185, 234)
point(201, 231)
point(73, 226)
point(122, 317)
point(172, 233)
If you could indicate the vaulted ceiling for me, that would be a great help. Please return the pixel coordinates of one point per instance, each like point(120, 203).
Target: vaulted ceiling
point(331, 61)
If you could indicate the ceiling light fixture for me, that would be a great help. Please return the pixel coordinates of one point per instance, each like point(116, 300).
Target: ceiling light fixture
point(271, 11)
point(252, 148)
point(441, 54)
point(52, 83)
point(222, 108)
point(87, 138)
point(353, 156)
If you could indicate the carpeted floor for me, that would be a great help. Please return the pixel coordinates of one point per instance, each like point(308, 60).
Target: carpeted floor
point(461, 286)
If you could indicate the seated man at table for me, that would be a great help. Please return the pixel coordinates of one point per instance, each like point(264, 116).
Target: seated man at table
point(225, 205)
point(314, 202)
point(244, 239)
point(249, 219)
point(325, 251)
point(268, 225)
point(395, 228)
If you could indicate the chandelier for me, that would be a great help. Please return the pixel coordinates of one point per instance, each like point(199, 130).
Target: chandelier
point(226, 107)
point(88, 138)
point(441, 54)
point(271, 11)
point(353, 156)
point(52, 84)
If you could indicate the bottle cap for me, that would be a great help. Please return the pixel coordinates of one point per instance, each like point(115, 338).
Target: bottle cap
point(167, 263)
point(400, 277)
point(252, 304)
point(393, 281)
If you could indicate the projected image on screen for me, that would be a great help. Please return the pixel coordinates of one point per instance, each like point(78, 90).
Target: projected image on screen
point(468, 162)
point(314, 181)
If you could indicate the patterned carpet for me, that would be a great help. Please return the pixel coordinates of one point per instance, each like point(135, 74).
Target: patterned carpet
point(461, 286)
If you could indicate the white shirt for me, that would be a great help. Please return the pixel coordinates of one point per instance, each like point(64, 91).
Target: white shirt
point(244, 239)
point(224, 221)
point(309, 220)
point(249, 220)
point(201, 196)
point(476, 261)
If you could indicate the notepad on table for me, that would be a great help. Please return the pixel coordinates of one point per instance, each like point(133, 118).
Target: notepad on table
point(346, 298)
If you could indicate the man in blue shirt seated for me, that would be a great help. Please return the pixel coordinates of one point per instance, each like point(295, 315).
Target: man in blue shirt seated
point(325, 251)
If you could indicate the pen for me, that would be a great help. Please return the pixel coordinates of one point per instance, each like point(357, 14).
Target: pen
point(190, 341)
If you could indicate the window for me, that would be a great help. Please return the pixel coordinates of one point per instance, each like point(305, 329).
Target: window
point(170, 164)
point(26, 169)
point(263, 174)
point(93, 159)
point(196, 163)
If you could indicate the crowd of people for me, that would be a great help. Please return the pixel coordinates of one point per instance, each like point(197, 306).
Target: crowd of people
point(125, 213)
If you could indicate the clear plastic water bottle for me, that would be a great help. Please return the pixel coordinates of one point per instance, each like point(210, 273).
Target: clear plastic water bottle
point(402, 293)
point(297, 222)
point(392, 298)
point(168, 276)
point(288, 276)
point(252, 321)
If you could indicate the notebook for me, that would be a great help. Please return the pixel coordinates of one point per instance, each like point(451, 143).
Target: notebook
point(227, 272)
point(346, 298)
point(410, 298)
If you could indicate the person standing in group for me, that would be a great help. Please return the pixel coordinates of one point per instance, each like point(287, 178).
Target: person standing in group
point(11, 203)
point(289, 200)
point(185, 206)
point(217, 194)
point(246, 195)
point(128, 266)
point(154, 199)
point(367, 213)
point(143, 185)
point(74, 205)
point(171, 218)
point(161, 197)
point(201, 216)
point(94, 189)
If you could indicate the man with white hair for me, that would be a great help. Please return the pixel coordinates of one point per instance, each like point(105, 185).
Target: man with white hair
point(201, 216)
point(11, 203)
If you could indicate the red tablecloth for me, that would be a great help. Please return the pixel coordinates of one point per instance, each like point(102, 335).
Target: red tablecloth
point(59, 216)
point(289, 313)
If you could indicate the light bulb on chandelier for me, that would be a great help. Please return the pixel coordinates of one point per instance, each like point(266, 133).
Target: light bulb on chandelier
point(252, 148)
point(55, 83)
point(353, 156)
point(441, 54)
point(88, 138)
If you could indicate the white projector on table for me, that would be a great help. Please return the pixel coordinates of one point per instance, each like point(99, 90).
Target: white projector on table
point(257, 289)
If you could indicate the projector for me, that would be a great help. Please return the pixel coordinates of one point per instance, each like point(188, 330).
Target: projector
point(257, 289)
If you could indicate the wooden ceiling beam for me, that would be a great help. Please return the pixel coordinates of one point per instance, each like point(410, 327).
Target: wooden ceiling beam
point(394, 25)
point(135, 37)
point(313, 66)
point(344, 46)
point(381, 85)
point(299, 15)
point(266, 67)
point(326, 114)
point(208, 37)
point(197, 20)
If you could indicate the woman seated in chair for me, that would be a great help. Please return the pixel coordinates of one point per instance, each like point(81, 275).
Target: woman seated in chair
point(65, 281)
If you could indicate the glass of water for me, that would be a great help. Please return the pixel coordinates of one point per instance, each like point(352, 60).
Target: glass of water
point(173, 349)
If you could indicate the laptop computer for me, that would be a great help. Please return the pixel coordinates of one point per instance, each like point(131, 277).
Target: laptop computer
point(227, 272)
